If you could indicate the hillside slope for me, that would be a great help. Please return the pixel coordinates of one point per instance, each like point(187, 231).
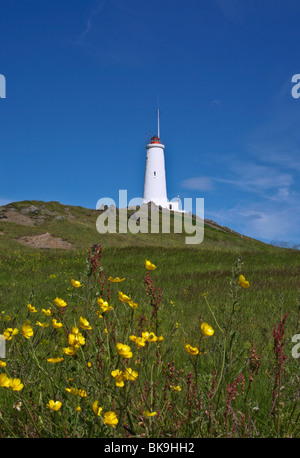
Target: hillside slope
point(35, 224)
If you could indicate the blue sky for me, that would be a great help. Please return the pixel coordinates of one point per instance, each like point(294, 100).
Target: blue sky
point(82, 82)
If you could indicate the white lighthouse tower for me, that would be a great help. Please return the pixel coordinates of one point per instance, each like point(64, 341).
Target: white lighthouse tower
point(155, 188)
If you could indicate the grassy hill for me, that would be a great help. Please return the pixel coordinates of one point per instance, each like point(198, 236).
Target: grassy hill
point(29, 220)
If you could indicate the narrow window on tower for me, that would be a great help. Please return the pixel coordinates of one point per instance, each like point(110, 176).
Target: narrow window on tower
point(154, 174)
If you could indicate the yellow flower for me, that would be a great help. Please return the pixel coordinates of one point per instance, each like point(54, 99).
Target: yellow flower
point(99, 314)
point(9, 332)
point(133, 305)
point(124, 350)
point(82, 393)
point(149, 336)
point(27, 331)
point(103, 305)
point(55, 360)
point(192, 350)
point(207, 330)
point(47, 312)
point(42, 325)
point(110, 419)
point(4, 381)
point(139, 341)
point(96, 409)
point(56, 324)
point(52, 276)
point(175, 388)
point(129, 374)
point(243, 282)
point(54, 405)
point(15, 384)
point(89, 364)
point(60, 302)
point(76, 283)
point(146, 413)
point(149, 265)
point(2, 363)
point(75, 338)
point(31, 308)
point(70, 351)
point(78, 409)
point(123, 297)
point(84, 324)
point(116, 279)
point(119, 377)
point(72, 390)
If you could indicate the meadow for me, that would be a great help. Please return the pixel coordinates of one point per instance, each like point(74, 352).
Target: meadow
point(197, 342)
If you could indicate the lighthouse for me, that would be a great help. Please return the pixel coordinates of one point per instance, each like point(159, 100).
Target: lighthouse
point(155, 187)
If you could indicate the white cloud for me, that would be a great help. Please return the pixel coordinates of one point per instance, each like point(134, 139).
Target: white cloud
point(198, 184)
point(261, 221)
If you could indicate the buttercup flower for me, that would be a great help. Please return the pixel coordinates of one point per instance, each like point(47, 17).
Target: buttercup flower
point(75, 338)
point(149, 336)
point(56, 324)
point(139, 341)
point(96, 409)
point(103, 305)
point(31, 308)
point(15, 384)
point(76, 283)
point(124, 350)
point(175, 388)
point(27, 331)
point(243, 282)
point(133, 305)
point(72, 390)
point(129, 374)
point(84, 324)
point(4, 381)
point(47, 312)
point(54, 405)
point(146, 413)
point(207, 330)
point(149, 265)
point(9, 332)
point(119, 377)
point(42, 325)
point(110, 419)
point(60, 302)
point(2, 363)
point(192, 350)
point(55, 360)
point(116, 279)
point(82, 393)
point(123, 297)
point(70, 351)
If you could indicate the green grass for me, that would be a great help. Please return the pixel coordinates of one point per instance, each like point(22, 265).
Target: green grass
point(198, 283)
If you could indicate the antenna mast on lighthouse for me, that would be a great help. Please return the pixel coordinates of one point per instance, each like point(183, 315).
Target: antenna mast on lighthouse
point(158, 133)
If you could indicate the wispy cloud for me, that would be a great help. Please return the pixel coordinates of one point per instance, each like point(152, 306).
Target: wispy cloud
point(267, 181)
point(275, 222)
point(89, 25)
point(232, 9)
point(198, 184)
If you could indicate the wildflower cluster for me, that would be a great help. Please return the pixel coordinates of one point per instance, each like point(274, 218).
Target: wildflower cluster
point(103, 359)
